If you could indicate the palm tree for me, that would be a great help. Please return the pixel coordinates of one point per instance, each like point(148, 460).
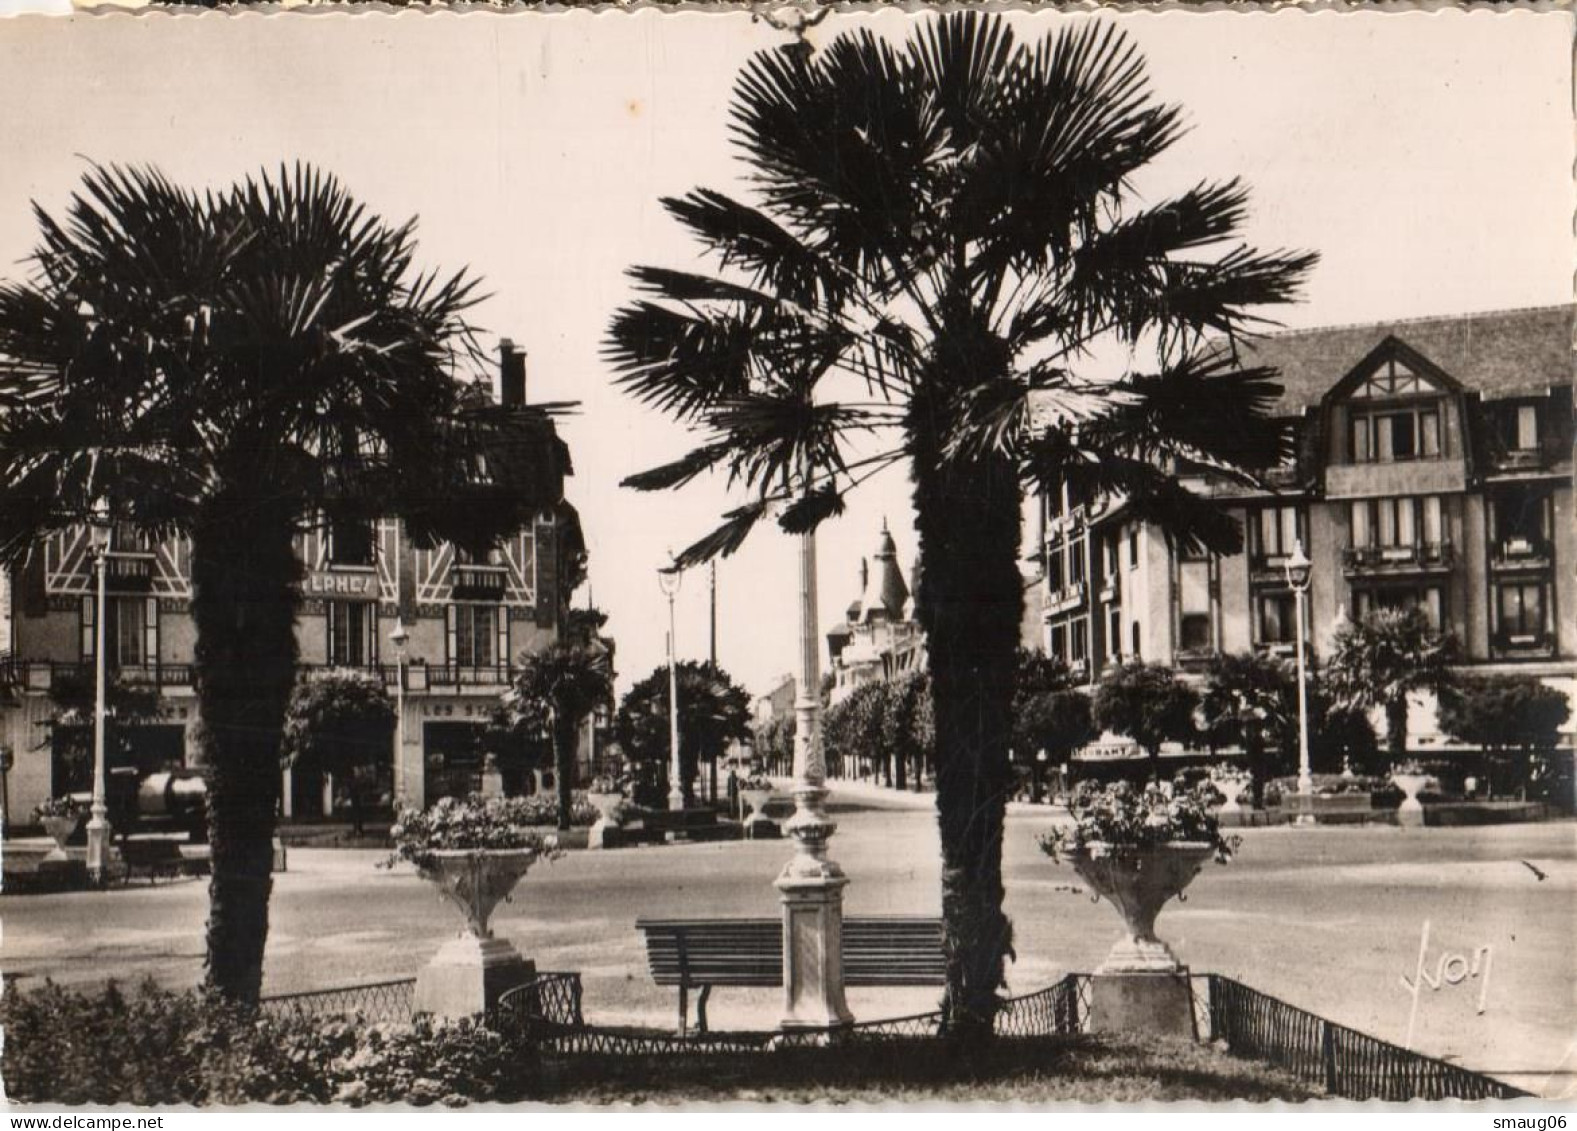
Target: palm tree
point(1149, 704)
point(713, 711)
point(942, 233)
point(229, 366)
point(1383, 658)
point(562, 684)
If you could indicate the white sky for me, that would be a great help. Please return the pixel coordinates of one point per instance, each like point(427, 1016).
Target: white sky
point(1427, 156)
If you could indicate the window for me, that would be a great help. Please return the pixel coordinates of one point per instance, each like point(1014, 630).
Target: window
point(1521, 611)
point(1275, 531)
point(1109, 554)
point(1054, 571)
point(1194, 629)
point(1076, 561)
point(1389, 437)
point(1278, 618)
point(1059, 642)
point(1431, 599)
point(1081, 640)
point(350, 542)
point(1114, 634)
point(1398, 522)
point(131, 630)
point(1133, 548)
point(353, 633)
point(1519, 427)
point(1134, 649)
point(477, 636)
point(1520, 521)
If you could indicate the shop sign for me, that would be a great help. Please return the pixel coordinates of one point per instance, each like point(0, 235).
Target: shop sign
point(323, 583)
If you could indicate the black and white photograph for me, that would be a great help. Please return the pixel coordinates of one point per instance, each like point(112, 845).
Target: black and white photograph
point(1003, 556)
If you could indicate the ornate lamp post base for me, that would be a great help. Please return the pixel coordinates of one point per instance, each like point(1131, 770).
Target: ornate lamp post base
point(811, 888)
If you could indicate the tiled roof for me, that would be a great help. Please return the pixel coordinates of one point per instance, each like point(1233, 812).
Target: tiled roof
point(1500, 353)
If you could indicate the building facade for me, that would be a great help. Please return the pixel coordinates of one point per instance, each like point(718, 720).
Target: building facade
point(880, 638)
point(465, 620)
point(1431, 467)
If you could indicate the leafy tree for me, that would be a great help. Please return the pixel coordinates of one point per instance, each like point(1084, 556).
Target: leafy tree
point(1056, 722)
point(1377, 662)
point(1149, 704)
point(852, 729)
point(943, 230)
point(339, 722)
point(556, 688)
point(229, 365)
point(1516, 720)
point(713, 711)
point(906, 731)
point(1251, 700)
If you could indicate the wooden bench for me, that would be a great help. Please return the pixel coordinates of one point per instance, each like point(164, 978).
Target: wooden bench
point(153, 858)
point(702, 953)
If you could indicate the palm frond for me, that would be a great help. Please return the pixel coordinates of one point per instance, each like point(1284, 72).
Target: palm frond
point(728, 537)
point(811, 509)
point(680, 471)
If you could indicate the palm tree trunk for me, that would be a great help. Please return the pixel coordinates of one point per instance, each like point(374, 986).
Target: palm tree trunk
point(1396, 729)
point(969, 605)
point(564, 729)
point(244, 575)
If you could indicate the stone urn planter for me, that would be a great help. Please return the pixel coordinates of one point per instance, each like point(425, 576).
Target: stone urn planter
point(607, 806)
point(1411, 812)
point(61, 829)
point(1138, 882)
point(1234, 790)
point(1141, 986)
point(471, 971)
point(758, 824)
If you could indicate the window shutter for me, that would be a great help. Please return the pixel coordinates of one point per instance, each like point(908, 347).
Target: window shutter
point(502, 658)
point(150, 632)
point(452, 628)
point(1432, 520)
point(1360, 522)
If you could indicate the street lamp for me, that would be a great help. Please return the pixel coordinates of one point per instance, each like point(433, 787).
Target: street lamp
point(98, 816)
point(398, 638)
point(1299, 570)
point(668, 578)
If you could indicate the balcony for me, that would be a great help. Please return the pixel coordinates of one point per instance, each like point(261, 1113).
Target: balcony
point(1195, 659)
point(128, 573)
point(1515, 463)
point(479, 582)
point(1522, 645)
point(468, 675)
point(1521, 553)
point(1268, 569)
point(1068, 597)
point(1421, 557)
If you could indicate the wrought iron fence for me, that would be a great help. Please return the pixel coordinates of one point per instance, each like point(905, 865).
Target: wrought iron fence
point(375, 1001)
point(1345, 1062)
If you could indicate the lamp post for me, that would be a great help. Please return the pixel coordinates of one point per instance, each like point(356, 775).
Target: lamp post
point(811, 885)
point(98, 815)
point(1299, 569)
point(668, 581)
point(398, 638)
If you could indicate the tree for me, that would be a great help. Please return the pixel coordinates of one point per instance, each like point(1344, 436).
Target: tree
point(1057, 723)
point(1516, 720)
point(230, 365)
point(942, 231)
point(713, 711)
point(906, 731)
point(1251, 700)
point(1149, 704)
point(557, 687)
point(339, 722)
point(1377, 662)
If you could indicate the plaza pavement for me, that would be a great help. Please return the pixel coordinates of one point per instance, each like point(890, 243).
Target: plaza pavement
point(1326, 918)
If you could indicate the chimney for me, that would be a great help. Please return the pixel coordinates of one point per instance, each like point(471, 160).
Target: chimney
point(511, 374)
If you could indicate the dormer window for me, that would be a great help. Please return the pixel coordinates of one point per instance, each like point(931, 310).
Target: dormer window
point(1519, 427)
point(1384, 431)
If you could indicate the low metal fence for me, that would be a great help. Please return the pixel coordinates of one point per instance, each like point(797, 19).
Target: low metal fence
point(374, 1001)
point(1343, 1061)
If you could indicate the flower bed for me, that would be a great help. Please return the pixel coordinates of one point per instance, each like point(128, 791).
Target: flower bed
point(478, 823)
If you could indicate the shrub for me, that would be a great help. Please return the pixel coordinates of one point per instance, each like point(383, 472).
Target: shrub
point(476, 823)
point(152, 1046)
point(1119, 818)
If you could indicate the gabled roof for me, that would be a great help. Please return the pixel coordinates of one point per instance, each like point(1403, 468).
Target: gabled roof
point(1498, 354)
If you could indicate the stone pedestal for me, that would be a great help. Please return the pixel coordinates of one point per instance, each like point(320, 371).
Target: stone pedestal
point(813, 948)
point(607, 805)
point(1142, 1003)
point(1410, 814)
point(468, 975)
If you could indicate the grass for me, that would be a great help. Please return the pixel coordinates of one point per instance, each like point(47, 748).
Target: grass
point(1082, 1069)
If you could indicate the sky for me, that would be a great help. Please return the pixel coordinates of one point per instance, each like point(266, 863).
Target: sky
point(1426, 156)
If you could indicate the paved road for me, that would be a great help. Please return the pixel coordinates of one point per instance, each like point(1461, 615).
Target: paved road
point(1326, 918)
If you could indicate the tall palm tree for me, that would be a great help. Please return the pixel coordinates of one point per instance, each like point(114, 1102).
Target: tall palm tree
point(1251, 699)
point(227, 366)
point(561, 685)
point(942, 236)
point(1381, 659)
